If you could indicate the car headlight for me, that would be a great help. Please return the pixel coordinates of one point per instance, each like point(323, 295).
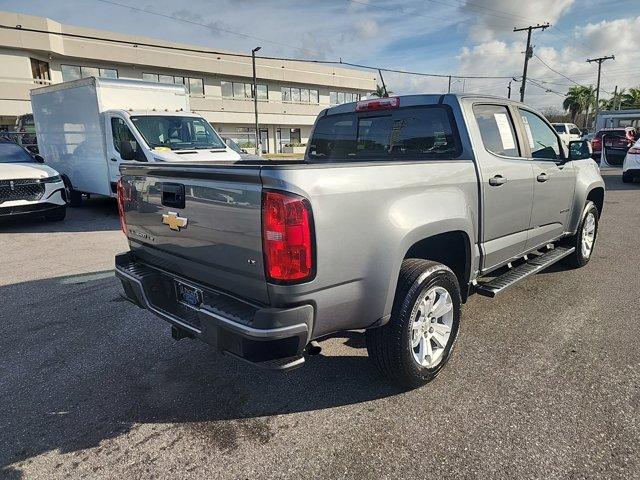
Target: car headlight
point(54, 179)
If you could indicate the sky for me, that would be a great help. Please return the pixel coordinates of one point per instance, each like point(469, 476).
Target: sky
point(458, 37)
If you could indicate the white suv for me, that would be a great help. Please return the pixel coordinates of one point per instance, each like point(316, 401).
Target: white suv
point(27, 187)
point(631, 165)
point(567, 132)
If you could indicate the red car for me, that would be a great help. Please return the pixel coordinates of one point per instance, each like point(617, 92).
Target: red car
point(617, 141)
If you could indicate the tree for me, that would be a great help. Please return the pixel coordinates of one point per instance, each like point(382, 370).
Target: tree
point(631, 99)
point(380, 92)
point(579, 99)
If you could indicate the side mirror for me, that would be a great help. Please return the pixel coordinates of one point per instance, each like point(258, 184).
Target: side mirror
point(39, 158)
point(126, 151)
point(579, 150)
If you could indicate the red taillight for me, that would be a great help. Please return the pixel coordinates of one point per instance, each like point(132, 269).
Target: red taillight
point(378, 104)
point(122, 198)
point(634, 151)
point(596, 144)
point(286, 237)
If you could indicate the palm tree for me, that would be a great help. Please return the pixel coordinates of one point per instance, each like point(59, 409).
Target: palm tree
point(573, 102)
point(631, 99)
point(381, 92)
point(579, 99)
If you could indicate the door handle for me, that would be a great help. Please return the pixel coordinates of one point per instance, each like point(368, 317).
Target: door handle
point(114, 159)
point(543, 177)
point(497, 180)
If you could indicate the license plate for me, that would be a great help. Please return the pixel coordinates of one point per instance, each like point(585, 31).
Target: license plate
point(188, 295)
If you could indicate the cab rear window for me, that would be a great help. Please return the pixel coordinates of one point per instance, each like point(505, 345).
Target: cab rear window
point(401, 134)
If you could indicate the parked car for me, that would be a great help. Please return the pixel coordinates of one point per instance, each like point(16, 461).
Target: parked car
point(631, 165)
point(87, 127)
point(27, 187)
point(567, 132)
point(617, 142)
point(401, 208)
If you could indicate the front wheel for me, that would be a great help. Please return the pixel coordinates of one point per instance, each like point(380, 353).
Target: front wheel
point(627, 178)
point(416, 343)
point(585, 238)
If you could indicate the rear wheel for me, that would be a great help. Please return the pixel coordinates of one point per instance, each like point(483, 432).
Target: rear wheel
point(627, 178)
point(585, 238)
point(416, 343)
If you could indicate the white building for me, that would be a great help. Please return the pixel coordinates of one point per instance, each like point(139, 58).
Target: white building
point(290, 94)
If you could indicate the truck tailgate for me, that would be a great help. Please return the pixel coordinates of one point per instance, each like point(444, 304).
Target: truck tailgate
point(213, 237)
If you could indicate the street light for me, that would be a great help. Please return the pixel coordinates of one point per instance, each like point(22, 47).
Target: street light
point(255, 95)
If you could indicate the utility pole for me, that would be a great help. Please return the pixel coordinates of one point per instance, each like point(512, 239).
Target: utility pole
point(599, 60)
point(528, 53)
point(449, 88)
point(255, 96)
point(509, 90)
point(615, 97)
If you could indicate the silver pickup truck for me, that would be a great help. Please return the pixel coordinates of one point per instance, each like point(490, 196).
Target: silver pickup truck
point(401, 208)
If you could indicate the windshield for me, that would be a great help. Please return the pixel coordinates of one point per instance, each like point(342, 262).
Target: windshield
point(560, 128)
point(177, 133)
point(12, 153)
point(414, 132)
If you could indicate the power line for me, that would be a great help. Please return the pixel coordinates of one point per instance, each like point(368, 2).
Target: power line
point(208, 26)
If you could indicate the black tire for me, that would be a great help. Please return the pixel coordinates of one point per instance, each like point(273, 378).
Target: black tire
point(56, 215)
point(389, 346)
point(74, 197)
point(578, 259)
point(627, 178)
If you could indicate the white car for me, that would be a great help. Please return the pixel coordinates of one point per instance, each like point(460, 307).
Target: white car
point(27, 187)
point(631, 165)
point(567, 132)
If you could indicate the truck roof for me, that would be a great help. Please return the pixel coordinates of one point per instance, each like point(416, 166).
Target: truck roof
point(422, 99)
point(164, 113)
point(110, 82)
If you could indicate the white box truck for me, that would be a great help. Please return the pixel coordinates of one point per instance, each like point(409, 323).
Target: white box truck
point(86, 128)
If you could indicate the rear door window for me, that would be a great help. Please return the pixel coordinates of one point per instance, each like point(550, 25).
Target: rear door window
point(543, 141)
point(497, 130)
point(560, 128)
point(404, 133)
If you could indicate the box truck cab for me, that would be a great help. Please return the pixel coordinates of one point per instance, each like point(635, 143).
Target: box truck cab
point(86, 128)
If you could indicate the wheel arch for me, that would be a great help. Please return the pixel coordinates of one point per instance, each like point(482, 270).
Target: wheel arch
point(431, 242)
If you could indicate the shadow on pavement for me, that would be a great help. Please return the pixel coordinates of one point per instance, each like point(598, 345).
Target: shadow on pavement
point(95, 214)
point(79, 365)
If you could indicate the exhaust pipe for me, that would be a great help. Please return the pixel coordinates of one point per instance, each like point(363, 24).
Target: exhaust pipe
point(313, 348)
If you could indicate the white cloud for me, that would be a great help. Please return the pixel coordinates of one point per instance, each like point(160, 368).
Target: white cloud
point(496, 57)
point(496, 17)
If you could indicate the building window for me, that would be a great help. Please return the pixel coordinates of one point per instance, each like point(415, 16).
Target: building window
point(150, 77)
point(243, 90)
point(74, 72)
point(40, 70)
point(337, 98)
point(194, 86)
point(303, 95)
point(294, 136)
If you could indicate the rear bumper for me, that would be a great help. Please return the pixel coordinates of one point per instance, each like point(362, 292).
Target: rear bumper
point(250, 332)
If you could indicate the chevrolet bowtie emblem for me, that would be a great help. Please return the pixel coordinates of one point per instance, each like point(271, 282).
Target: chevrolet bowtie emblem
point(174, 221)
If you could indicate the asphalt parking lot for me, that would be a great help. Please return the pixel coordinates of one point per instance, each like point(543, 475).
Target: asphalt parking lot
point(544, 383)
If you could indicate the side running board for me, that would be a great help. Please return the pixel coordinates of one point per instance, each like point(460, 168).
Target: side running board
point(513, 276)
